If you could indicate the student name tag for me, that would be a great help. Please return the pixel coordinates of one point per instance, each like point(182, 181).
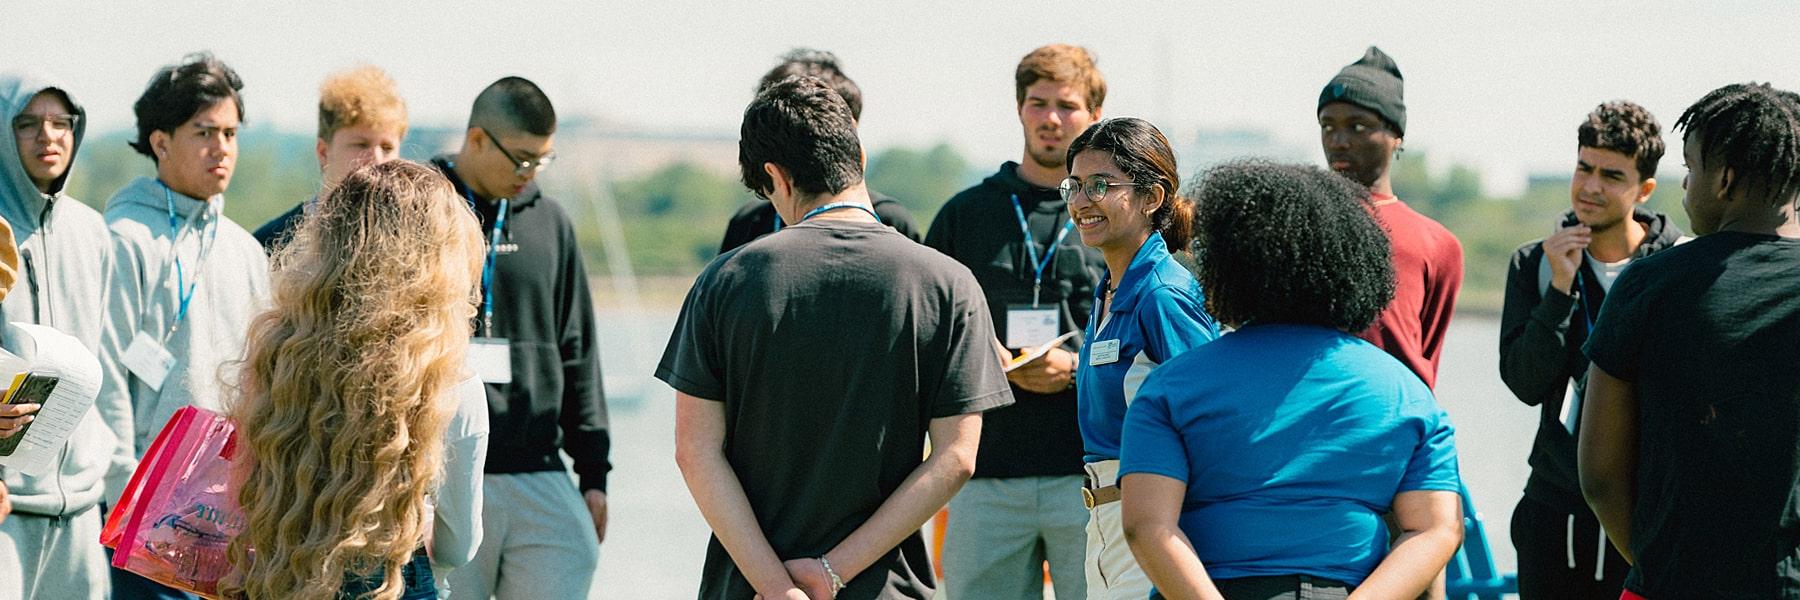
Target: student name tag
point(1028, 327)
point(148, 360)
point(1103, 353)
point(490, 359)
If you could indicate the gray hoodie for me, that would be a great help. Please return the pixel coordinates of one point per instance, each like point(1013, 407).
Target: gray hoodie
point(233, 286)
point(62, 284)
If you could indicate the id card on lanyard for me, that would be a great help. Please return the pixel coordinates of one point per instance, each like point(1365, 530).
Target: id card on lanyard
point(148, 357)
point(1029, 325)
point(489, 357)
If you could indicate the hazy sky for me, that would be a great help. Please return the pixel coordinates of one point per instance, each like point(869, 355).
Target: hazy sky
point(1500, 85)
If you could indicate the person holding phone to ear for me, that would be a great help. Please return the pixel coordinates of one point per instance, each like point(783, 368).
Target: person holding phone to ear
point(1554, 290)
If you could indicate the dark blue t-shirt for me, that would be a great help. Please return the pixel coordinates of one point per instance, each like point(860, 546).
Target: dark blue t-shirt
point(1293, 440)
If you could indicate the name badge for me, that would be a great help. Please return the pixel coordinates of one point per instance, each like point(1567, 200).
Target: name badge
point(1028, 327)
point(147, 359)
point(490, 359)
point(1103, 353)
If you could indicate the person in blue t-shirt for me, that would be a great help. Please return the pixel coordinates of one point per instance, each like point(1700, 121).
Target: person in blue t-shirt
point(1122, 195)
point(1260, 465)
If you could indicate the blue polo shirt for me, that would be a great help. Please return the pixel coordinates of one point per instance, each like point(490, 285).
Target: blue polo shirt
point(1157, 313)
point(1291, 459)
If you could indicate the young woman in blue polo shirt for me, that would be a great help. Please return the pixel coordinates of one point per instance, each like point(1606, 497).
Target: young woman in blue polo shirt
point(1259, 465)
point(1121, 194)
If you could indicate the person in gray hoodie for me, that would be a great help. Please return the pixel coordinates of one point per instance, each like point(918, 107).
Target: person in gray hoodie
point(185, 281)
point(51, 539)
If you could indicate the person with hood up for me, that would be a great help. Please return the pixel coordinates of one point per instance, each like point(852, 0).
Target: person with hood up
point(50, 543)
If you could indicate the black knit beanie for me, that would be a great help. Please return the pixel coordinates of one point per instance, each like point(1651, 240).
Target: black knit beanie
point(1372, 83)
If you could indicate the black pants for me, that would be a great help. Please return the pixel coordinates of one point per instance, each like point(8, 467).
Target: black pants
point(1280, 587)
point(1557, 558)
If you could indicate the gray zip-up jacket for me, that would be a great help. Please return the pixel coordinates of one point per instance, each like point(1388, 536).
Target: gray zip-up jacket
point(62, 284)
point(143, 296)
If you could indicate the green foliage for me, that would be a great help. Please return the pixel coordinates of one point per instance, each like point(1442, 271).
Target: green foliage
point(673, 218)
point(922, 180)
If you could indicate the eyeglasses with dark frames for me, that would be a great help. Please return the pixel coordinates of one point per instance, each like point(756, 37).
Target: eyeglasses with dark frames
point(520, 167)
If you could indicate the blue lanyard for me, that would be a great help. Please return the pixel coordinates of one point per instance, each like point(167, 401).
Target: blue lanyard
point(833, 206)
point(487, 269)
point(1037, 278)
point(184, 290)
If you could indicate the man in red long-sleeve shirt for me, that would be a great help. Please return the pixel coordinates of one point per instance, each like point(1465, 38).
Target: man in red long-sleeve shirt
point(1362, 119)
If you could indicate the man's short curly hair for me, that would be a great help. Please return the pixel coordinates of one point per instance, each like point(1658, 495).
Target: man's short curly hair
point(1625, 128)
point(1281, 243)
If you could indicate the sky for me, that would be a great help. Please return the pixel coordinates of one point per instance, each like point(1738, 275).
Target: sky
point(1499, 86)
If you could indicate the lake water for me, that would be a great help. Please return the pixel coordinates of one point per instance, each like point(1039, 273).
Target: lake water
point(656, 539)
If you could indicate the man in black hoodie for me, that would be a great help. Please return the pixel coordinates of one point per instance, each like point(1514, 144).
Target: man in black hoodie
point(1023, 507)
point(535, 348)
point(1554, 290)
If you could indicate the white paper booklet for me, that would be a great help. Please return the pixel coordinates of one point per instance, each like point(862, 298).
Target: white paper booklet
point(42, 351)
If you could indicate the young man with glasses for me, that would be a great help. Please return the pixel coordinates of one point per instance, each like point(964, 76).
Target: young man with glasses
point(757, 218)
point(361, 122)
point(536, 349)
point(49, 545)
point(185, 281)
point(1023, 507)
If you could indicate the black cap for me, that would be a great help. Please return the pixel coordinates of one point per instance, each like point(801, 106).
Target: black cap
point(1373, 83)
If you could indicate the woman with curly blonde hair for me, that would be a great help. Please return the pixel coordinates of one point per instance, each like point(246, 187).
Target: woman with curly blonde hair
point(349, 403)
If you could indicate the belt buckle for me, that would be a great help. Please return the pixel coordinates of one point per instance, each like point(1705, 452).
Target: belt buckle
point(1087, 498)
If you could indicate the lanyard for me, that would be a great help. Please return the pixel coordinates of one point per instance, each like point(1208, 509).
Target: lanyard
point(184, 289)
point(1037, 278)
point(487, 268)
point(833, 206)
point(1587, 313)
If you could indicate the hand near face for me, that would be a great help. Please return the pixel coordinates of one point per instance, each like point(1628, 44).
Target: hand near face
point(1563, 250)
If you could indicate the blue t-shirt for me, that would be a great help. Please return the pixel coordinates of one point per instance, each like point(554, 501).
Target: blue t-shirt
point(1157, 313)
point(1292, 458)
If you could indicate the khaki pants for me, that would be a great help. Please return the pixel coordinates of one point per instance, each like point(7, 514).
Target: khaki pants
point(1112, 572)
point(537, 541)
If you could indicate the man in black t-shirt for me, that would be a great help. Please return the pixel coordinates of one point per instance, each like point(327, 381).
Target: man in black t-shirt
point(809, 368)
point(757, 218)
point(1689, 450)
point(1024, 508)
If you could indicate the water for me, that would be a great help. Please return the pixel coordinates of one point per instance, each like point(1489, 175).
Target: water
point(656, 539)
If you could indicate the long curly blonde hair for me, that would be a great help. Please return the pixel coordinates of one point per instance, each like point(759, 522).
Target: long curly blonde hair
point(346, 388)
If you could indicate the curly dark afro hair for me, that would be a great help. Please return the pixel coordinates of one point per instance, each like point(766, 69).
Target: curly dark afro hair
point(1280, 243)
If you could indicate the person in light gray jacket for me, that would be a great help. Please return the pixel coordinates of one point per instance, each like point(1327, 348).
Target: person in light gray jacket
point(185, 281)
point(49, 545)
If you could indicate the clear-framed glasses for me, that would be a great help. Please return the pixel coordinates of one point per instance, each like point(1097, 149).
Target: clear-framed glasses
point(56, 125)
point(520, 167)
point(1094, 188)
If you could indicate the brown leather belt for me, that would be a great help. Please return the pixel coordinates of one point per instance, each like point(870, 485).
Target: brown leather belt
point(1093, 497)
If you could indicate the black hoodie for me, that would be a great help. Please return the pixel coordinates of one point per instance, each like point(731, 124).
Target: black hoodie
point(1541, 333)
point(1039, 434)
point(542, 305)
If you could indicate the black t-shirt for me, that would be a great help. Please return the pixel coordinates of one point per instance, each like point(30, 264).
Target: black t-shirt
point(757, 218)
point(832, 344)
point(1708, 332)
point(1040, 435)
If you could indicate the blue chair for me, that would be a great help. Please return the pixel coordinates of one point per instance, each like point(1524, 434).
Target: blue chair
point(1471, 574)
